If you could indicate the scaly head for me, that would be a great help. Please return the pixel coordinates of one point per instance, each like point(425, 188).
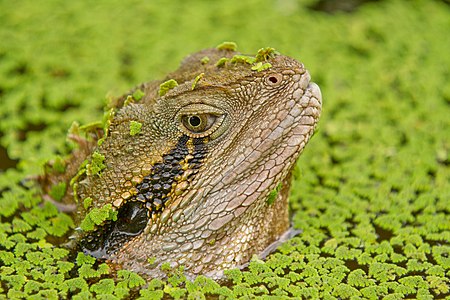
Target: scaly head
point(193, 185)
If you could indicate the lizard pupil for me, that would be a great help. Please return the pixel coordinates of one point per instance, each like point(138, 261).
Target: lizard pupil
point(194, 121)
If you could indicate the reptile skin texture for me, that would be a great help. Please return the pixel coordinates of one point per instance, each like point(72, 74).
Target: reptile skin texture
point(195, 186)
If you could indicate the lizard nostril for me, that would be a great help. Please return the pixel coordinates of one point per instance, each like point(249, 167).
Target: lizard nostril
point(274, 79)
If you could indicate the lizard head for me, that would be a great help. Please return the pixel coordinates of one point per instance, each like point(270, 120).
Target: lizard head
point(193, 186)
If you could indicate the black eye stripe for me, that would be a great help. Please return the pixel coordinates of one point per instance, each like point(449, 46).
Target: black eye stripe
point(153, 194)
point(154, 189)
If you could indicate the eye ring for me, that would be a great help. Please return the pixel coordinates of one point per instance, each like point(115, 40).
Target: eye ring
point(273, 79)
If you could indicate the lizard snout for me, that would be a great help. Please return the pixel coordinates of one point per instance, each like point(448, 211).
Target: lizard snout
point(315, 92)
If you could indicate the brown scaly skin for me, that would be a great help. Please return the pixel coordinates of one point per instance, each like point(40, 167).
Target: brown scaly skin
point(198, 196)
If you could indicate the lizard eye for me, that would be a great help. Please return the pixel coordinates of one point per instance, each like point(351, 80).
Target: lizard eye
point(199, 123)
point(201, 120)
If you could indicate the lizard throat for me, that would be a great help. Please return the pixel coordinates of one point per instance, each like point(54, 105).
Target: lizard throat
point(153, 195)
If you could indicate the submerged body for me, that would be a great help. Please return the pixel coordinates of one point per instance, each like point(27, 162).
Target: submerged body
point(192, 168)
